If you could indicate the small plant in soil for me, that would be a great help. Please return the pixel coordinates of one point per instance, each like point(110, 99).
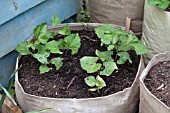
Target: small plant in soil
point(162, 4)
point(41, 48)
point(103, 63)
point(118, 43)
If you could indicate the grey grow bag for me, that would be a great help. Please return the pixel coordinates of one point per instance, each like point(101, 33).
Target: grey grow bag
point(148, 102)
point(125, 101)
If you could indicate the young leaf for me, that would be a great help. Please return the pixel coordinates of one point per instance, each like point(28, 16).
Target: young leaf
point(139, 48)
point(89, 64)
point(60, 44)
point(154, 2)
point(109, 68)
point(65, 30)
point(57, 62)
point(106, 55)
point(43, 69)
point(23, 48)
point(100, 83)
point(55, 20)
point(124, 56)
point(45, 37)
point(104, 32)
point(72, 42)
point(40, 29)
point(162, 4)
point(110, 47)
point(90, 81)
point(52, 47)
point(41, 58)
point(42, 50)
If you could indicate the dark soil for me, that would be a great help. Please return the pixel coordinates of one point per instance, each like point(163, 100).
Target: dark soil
point(158, 82)
point(68, 82)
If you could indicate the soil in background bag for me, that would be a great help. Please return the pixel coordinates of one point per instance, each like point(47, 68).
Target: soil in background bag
point(158, 81)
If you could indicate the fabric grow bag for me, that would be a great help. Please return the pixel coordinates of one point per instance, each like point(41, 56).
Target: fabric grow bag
point(148, 102)
point(125, 101)
point(116, 11)
point(156, 31)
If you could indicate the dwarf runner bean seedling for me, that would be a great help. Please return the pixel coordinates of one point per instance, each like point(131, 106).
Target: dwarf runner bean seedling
point(42, 47)
point(118, 43)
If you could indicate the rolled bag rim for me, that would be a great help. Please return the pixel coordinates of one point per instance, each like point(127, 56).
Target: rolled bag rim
point(152, 63)
point(128, 90)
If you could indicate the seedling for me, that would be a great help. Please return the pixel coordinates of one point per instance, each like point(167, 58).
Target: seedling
point(162, 4)
point(42, 48)
point(118, 43)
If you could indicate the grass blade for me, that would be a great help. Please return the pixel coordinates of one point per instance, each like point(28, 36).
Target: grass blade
point(9, 96)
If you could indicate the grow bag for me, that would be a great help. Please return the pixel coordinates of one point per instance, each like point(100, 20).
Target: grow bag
point(148, 102)
point(156, 31)
point(125, 101)
point(116, 11)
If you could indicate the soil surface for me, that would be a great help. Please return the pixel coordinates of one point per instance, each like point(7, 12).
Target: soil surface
point(68, 82)
point(158, 82)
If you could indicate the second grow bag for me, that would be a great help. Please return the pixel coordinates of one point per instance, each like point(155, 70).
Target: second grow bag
point(125, 101)
point(156, 31)
point(116, 11)
point(148, 102)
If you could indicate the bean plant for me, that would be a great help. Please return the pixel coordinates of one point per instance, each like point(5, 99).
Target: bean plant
point(117, 42)
point(42, 48)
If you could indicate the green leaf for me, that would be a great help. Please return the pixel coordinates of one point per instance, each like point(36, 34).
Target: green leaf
point(106, 55)
point(72, 42)
point(23, 48)
point(42, 50)
point(90, 81)
point(100, 83)
point(60, 44)
point(57, 62)
point(139, 48)
point(41, 58)
point(109, 68)
point(52, 47)
point(154, 2)
point(89, 64)
point(44, 69)
point(65, 30)
point(7, 93)
point(40, 29)
point(40, 111)
point(110, 47)
point(45, 37)
point(55, 20)
point(124, 56)
point(104, 32)
point(164, 5)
